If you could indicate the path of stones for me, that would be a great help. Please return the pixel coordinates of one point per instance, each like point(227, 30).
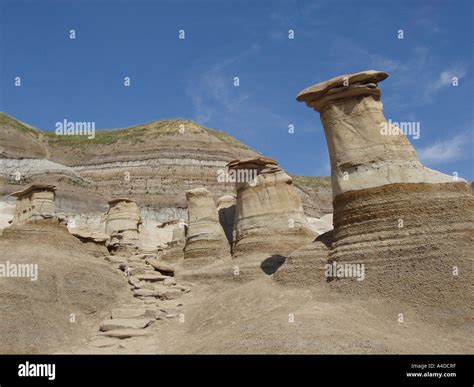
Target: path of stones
point(157, 297)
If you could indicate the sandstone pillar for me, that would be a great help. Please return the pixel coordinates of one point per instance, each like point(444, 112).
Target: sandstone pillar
point(364, 150)
point(408, 225)
point(122, 223)
point(269, 217)
point(206, 242)
point(174, 253)
point(34, 203)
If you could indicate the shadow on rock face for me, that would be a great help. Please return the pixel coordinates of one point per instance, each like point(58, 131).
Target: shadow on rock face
point(271, 264)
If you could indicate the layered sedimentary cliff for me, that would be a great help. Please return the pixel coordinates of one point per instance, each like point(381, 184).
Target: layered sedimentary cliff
point(153, 164)
point(20, 141)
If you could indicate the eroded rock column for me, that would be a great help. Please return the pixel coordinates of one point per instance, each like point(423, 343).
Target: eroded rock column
point(174, 251)
point(122, 223)
point(401, 230)
point(35, 203)
point(206, 241)
point(269, 217)
point(364, 150)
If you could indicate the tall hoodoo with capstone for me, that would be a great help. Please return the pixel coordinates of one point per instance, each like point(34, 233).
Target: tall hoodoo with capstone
point(206, 242)
point(34, 203)
point(365, 149)
point(409, 225)
point(269, 217)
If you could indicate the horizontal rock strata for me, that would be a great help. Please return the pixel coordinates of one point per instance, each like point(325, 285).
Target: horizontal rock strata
point(363, 151)
point(205, 239)
point(269, 217)
point(401, 230)
point(415, 241)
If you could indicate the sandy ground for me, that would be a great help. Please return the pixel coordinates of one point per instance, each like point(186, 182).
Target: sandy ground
point(264, 317)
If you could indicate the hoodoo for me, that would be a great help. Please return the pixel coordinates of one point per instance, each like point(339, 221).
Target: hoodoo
point(206, 242)
point(364, 148)
point(269, 217)
point(409, 225)
point(34, 202)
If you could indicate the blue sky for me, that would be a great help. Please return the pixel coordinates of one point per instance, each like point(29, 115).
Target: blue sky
point(82, 79)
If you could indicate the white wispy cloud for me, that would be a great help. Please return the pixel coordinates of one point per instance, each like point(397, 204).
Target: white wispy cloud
point(294, 15)
point(460, 147)
point(211, 91)
point(218, 103)
point(445, 79)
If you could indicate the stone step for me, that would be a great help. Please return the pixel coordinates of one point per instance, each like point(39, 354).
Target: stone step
point(103, 342)
point(124, 323)
point(143, 256)
point(170, 311)
point(116, 259)
point(166, 293)
point(126, 333)
point(151, 301)
point(170, 294)
point(132, 313)
point(144, 285)
point(133, 281)
point(169, 281)
point(146, 293)
point(161, 266)
point(170, 304)
point(185, 289)
point(151, 277)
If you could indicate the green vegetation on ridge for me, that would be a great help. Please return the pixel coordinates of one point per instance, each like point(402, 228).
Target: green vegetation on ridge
point(141, 133)
point(10, 122)
point(312, 181)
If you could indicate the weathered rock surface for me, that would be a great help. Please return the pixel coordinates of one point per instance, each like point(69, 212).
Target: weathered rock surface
point(226, 210)
point(19, 140)
point(130, 313)
point(269, 217)
point(88, 235)
point(410, 227)
point(35, 202)
point(126, 333)
point(124, 323)
point(321, 225)
point(122, 222)
point(7, 211)
point(205, 240)
point(363, 151)
point(174, 251)
point(315, 193)
point(153, 164)
point(70, 282)
point(161, 266)
point(152, 277)
point(415, 241)
point(305, 267)
point(75, 199)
